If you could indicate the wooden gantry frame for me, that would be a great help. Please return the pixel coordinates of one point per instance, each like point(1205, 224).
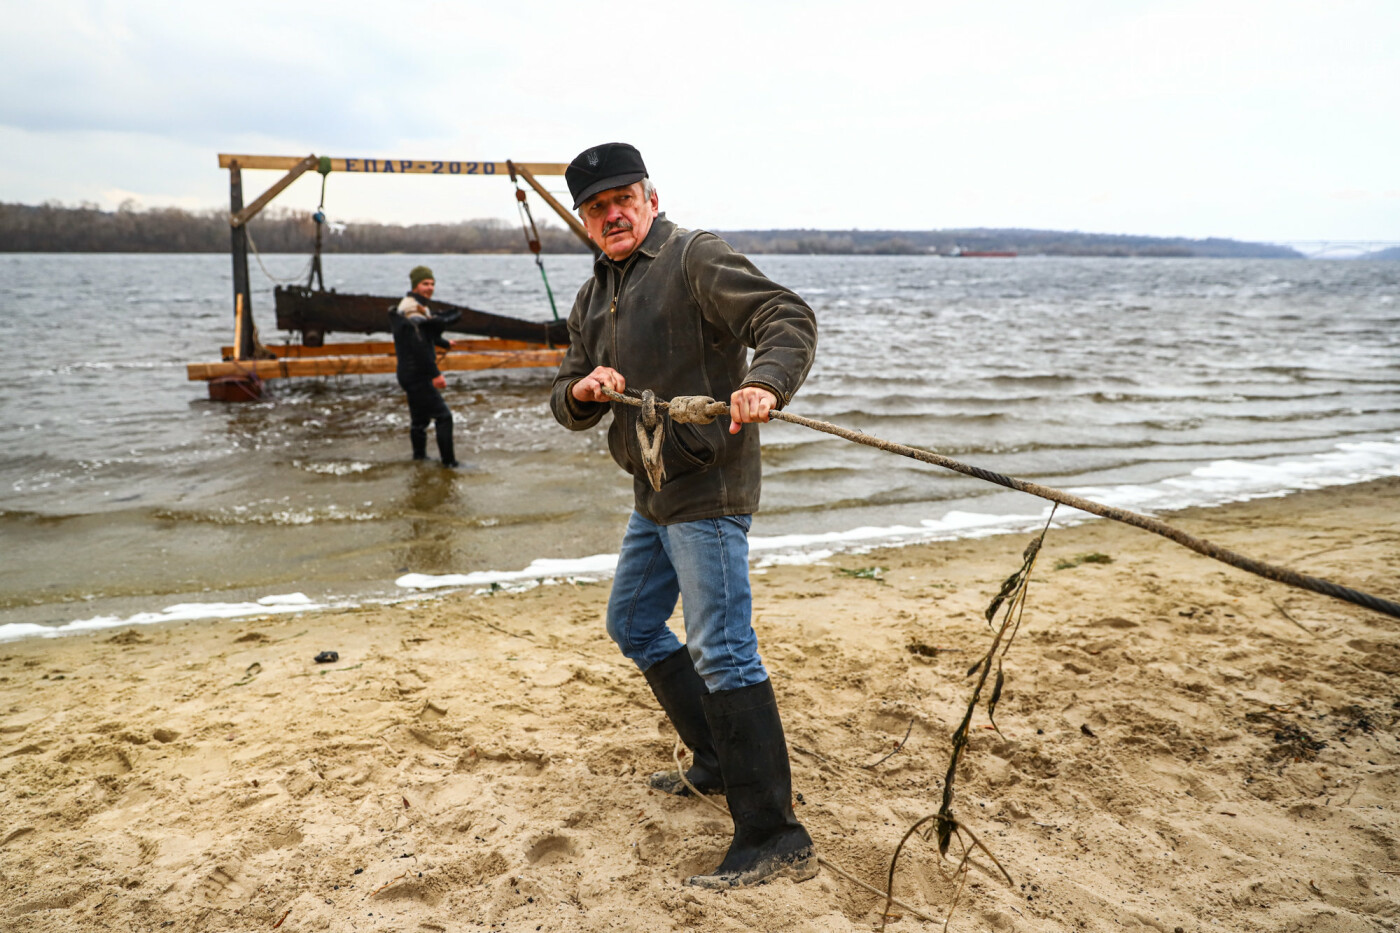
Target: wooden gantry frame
point(245, 364)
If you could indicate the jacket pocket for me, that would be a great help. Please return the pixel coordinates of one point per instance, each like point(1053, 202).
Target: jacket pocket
point(685, 449)
point(689, 448)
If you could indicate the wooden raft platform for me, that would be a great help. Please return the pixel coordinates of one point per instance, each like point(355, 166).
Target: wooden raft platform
point(510, 342)
point(346, 359)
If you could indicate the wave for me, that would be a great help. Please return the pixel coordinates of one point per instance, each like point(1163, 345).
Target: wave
point(1214, 484)
point(333, 468)
point(180, 612)
point(1033, 380)
point(244, 515)
point(105, 366)
point(856, 418)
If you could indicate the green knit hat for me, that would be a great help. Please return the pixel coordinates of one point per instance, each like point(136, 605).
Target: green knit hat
point(418, 274)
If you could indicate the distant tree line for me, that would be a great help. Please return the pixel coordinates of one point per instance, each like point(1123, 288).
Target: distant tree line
point(1023, 242)
point(56, 228)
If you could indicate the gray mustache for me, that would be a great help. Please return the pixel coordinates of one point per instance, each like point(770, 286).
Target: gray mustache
point(616, 225)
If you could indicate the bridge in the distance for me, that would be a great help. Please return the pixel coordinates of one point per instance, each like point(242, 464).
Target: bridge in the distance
point(1337, 249)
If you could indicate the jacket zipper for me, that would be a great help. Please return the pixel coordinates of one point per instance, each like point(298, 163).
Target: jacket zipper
point(612, 308)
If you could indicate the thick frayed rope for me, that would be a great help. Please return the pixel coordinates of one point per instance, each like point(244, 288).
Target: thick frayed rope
point(709, 407)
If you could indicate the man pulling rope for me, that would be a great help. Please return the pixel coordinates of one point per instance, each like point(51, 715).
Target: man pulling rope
point(678, 310)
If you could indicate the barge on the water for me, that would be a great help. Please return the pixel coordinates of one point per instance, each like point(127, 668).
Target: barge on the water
point(501, 341)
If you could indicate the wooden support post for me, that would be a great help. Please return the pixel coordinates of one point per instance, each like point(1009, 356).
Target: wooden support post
point(559, 209)
point(242, 292)
point(240, 217)
point(238, 327)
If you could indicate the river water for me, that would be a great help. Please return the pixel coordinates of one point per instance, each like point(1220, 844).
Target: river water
point(127, 496)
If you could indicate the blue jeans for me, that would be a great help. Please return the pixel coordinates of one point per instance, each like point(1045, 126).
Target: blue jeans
point(705, 562)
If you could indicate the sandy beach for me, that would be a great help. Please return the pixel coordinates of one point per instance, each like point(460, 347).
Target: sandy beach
point(1182, 747)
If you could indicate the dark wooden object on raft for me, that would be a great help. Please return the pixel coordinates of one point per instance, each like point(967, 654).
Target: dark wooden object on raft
point(317, 313)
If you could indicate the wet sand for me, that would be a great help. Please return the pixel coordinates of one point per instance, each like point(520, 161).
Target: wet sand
point(1182, 746)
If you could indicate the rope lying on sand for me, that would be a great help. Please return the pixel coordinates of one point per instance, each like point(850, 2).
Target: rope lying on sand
point(699, 409)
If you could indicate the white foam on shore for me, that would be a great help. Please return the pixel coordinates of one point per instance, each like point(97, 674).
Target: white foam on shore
point(788, 549)
point(595, 565)
point(1213, 484)
point(1241, 480)
point(180, 612)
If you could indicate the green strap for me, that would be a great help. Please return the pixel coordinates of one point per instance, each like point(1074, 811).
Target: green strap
point(549, 291)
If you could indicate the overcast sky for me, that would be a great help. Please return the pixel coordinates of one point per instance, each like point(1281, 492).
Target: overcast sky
point(1269, 120)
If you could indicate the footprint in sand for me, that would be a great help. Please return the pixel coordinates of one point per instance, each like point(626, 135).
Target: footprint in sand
point(222, 885)
point(550, 849)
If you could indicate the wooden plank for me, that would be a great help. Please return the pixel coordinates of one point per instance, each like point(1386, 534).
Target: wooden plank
point(376, 166)
point(511, 359)
point(251, 211)
point(379, 347)
point(367, 365)
point(559, 209)
point(238, 327)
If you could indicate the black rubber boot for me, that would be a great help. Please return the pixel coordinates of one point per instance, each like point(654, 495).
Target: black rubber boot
point(444, 442)
point(680, 690)
point(419, 438)
point(768, 842)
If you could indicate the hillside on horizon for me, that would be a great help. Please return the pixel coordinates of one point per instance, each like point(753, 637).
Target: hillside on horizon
point(59, 228)
point(950, 242)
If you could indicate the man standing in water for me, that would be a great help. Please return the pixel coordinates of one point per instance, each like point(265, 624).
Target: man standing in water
point(676, 311)
point(417, 335)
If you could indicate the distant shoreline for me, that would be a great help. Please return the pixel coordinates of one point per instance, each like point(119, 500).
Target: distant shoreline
point(52, 228)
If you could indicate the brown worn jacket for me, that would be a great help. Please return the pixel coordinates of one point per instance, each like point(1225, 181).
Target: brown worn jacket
point(678, 317)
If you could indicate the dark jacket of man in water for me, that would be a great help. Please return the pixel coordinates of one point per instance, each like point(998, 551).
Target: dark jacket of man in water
point(417, 336)
point(676, 311)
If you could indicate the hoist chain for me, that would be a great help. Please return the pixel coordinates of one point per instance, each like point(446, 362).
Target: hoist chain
point(532, 234)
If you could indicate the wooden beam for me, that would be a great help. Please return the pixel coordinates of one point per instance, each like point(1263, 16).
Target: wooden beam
point(251, 211)
point(396, 166)
point(367, 365)
point(238, 251)
point(559, 209)
point(381, 348)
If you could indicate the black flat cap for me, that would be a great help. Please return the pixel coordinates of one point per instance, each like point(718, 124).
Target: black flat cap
point(599, 168)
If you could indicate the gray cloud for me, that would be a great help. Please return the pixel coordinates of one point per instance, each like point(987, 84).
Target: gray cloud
point(1188, 117)
point(187, 72)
